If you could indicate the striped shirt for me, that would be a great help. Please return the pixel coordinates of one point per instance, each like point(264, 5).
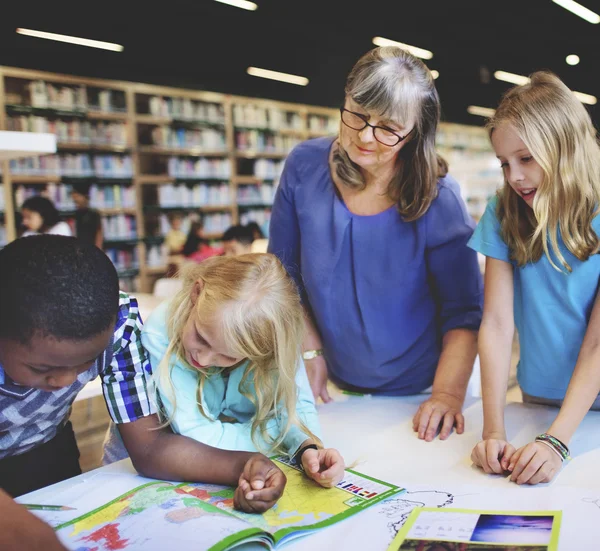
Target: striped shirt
point(30, 417)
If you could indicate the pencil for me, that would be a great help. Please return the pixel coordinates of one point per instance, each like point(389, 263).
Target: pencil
point(36, 507)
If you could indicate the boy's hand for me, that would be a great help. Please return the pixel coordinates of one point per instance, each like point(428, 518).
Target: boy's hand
point(324, 466)
point(493, 455)
point(22, 531)
point(260, 485)
point(440, 412)
point(534, 463)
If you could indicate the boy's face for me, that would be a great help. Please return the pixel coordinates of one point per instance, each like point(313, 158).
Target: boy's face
point(235, 248)
point(79, 199)
point(49, 364)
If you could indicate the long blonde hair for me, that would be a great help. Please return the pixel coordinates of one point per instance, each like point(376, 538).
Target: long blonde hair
point(396, 85)
point(560, 136)
point(261, 319)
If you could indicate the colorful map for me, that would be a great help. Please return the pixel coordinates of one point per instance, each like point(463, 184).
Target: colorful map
point(162, 515)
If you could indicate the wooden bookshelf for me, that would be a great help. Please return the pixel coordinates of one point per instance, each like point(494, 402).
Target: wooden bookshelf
point(225, 152)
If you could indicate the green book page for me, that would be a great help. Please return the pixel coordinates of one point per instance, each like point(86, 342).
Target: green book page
point(430, 528)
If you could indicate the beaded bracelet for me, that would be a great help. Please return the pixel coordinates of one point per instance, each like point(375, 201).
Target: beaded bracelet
point(556, 444)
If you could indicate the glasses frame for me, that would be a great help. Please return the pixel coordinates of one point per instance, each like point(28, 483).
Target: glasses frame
point(373, 126)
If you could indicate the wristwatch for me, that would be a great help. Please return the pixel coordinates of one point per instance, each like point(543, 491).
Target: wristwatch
point(312, 354)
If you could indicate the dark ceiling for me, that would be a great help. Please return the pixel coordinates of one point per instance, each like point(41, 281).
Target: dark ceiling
point(207, 45)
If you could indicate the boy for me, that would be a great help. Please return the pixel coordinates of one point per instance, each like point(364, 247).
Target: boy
point(62, 323)
point(237, 240)
point(88, 223)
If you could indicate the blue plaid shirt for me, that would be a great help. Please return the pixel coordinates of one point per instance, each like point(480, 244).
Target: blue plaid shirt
point(30, 417)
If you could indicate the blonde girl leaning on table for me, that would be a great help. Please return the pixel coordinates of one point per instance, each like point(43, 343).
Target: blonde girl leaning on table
point(540, 237)
point(227, 355)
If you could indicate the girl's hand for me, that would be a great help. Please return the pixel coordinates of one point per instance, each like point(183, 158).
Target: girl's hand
point(493, 455)
point(324, 466)
point(316, 370)
point(440, 409)
point(260, 485)
point(534, 463)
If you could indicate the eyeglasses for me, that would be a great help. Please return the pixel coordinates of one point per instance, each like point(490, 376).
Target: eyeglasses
point(383, 135)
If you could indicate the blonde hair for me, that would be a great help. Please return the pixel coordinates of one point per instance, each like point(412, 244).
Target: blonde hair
point(396, 85)
point(560, 136)
point(261, 319)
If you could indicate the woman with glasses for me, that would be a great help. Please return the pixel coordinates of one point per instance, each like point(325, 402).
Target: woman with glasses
point(376, 241)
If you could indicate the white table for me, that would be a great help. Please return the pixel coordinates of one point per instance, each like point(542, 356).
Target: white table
point(377, 433)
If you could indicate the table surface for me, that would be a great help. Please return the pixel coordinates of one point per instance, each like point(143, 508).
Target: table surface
point(375, 434)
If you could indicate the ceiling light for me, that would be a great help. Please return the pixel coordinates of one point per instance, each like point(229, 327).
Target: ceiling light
point(586, 98)
point(435, 74)
point(418, 52)
point(486, 112)
point(244, 4)
point(274, 75)
point(520, 79)
point(72, 40)
point(579, 10)
point(572, 59)
point(511, 77)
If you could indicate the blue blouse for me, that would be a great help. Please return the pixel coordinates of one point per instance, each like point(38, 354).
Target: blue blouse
point(382, 291)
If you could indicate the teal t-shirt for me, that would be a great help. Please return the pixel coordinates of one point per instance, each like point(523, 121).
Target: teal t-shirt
point(551, 309)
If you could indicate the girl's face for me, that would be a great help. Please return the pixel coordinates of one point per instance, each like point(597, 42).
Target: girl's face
point(32, 220)
point(204, 345)
point(521, 170)
point(361, 145)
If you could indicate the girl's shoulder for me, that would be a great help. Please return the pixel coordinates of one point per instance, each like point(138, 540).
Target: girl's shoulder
point(157, 321)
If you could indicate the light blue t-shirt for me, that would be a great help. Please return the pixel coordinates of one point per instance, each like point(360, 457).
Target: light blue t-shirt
point(551, 309)
point(222, 397)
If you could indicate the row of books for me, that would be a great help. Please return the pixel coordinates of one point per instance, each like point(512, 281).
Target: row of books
point(205, 138)
point(255, 195)
point(198, 195)
point(261, 216)
point(187, 109)
point(119, 227)
point(60, 195)
point(45, 94)
point(264, 142)
point(75, 131)
point(199, 168)
point(123, 259)
point(268, 169)
point(76, 165)
point(254, 116)
point(213, 223)
point(323, 124)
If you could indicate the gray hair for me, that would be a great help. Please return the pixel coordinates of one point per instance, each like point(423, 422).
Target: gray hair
point(396, 85)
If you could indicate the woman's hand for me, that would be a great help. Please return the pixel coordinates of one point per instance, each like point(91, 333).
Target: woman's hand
point(493, 454)
point(441, 409)
point(316, 370)
point(324, 466)
point(534, 463)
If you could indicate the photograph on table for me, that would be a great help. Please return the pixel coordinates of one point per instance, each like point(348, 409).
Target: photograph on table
point(431, 529)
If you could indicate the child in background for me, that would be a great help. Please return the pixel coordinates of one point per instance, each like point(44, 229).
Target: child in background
point(257, 233)
point(175, 238)
point(88, 222)
point(228, 368)
point(540, 237)
point(196, 248)
point(63, 323)
point(237, 240)
point(40, 216)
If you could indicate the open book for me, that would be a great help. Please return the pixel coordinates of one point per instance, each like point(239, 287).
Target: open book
point(163, 515)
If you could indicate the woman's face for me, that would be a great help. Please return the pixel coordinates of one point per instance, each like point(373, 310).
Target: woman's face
point(361, 145)
point(32, 220)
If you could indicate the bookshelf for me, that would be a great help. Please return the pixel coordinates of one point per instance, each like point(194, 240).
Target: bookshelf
point(149, 152)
